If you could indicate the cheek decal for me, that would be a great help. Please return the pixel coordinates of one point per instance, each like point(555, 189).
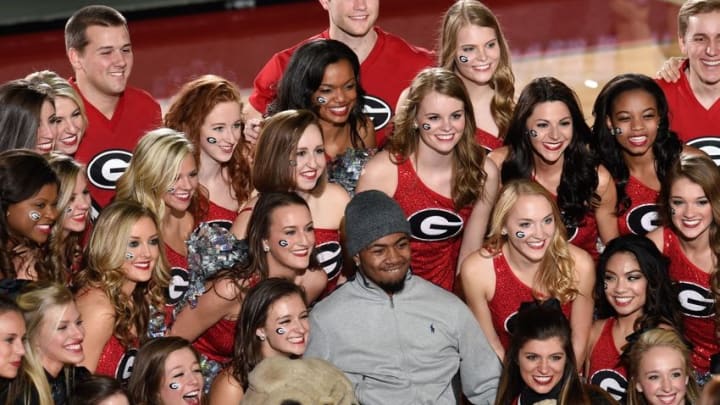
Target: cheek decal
point(463, 59)
point(129, 256)
point(34, 216)
point(532, 133)
point(293, 163)
point(426, 126)
point(520, 234)
point(616, 131)
point(672, 211)
point(68, 210)
point(171, 189)
point(321, 100)
point(174, 386)
point(605, 285)
point(283, 243)
point(280, 331)
point(211, 140)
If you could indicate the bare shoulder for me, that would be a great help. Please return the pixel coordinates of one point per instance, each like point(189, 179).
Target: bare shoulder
point(604, 177)
point(380, 173)
point(336, 195)
point(584, 263)
point(499, 155)
point(477, 274)
point(478, 266)
point(94, 298)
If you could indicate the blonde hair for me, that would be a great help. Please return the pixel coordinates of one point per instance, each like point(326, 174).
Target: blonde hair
point(472, 12)
point(35, 303)
point(469, 157)
point(60, 88)
point(153, 169)
point(105, 254)
point(556, 272)
point(647, 340)
point(65, 250)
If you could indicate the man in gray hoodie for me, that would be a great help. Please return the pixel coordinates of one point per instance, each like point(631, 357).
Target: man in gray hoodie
point(398, 338)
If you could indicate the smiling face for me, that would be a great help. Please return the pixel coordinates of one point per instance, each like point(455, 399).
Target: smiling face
point(104, 65)
point(182, 382)
point(339, 90)
point(635, 112)
point(179, 197)
point(351, 17)
point(701, 44)
point(47, 129)
point(224, 124)
point(530, 227)
point(309, 159)
point(441, 122)
point(553, 126)
point(76, 214)
point(477, 53)
point(661, 376)
point(33, 218)
point(386, 261)
point(60, 337)
point(70, 125)
point(542, 363)
point(12, 350)
point(625, 284)
point(692, 209)
point(286, 328)
point(144, 247)
point(290, 240)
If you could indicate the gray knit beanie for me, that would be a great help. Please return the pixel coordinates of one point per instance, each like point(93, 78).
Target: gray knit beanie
point(369, 216)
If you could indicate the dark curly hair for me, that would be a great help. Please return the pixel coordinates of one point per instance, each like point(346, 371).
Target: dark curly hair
point(576, 194)
point(667, 146)
point(658, 309)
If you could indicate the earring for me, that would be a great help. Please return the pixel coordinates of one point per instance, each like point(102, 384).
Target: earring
point(266, 248)
point(261, 338)
point(415, 126)
point(615, 131)
point(532, 133)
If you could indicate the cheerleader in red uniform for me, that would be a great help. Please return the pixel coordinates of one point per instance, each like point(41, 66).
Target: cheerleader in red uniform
point(631, 295)
point(633, 140)
point(438, 174)
point(690, 209)
point(121, 291)
point(296, 136)
point(526, 258)
point(547, 141)
point(473, 46)
point(208, 110)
